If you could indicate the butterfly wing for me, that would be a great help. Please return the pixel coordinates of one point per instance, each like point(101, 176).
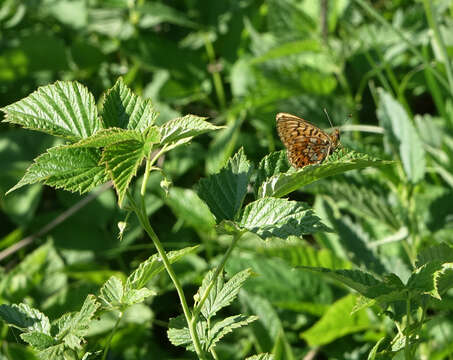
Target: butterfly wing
point(306, 143)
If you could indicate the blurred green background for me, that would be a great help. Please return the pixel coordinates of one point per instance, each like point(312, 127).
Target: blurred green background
point(238, 62)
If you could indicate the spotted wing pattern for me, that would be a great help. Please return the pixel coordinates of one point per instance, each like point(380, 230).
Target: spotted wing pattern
point(306, 143)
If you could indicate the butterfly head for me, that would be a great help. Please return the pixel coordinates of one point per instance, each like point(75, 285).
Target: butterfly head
point(335, 138)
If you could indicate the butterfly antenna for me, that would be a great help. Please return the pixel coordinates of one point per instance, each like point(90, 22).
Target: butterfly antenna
point(328, 117)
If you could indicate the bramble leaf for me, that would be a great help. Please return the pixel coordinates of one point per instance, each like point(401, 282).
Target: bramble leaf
point(25, 318)
point(280, 217)
point(225, 326)
point(65, 108)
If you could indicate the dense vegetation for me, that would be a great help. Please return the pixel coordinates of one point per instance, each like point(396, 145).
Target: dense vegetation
point(152, 213)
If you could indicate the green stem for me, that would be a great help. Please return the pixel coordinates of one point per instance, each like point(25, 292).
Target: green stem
point(149, 165)
point(220, 267)
point(143, 218)
point(109, 340)
point(407, 350)
point(218, 85)
point(439, 40)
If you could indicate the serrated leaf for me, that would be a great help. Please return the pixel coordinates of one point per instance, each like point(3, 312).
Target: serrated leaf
point(179, 335)
point(341, 161)
point(187, 206)
point(53, 353)
point(264, 356)
point(281, 218)
point(106, 137)
point(24, 317)
point(444, 279)
point(122, 161)
point(422, 279)
point(337, 322)
point(395, 120)
point(68, 168)
point(225, 326)
point(111, 293)
point(38, 340)
point(65, 108)
point(224, 192)
point(122, 108)
point(73, 326)
point(152, 266)
point(271, 165)
point(137, 296)
point(185, 128)
point(221, 295)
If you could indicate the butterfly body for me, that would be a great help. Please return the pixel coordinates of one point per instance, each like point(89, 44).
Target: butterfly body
point(306, 143)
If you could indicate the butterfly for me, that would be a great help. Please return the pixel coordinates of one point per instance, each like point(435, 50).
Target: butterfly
point(306, 143)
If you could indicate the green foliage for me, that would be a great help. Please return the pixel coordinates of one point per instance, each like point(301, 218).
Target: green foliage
point(347, 259)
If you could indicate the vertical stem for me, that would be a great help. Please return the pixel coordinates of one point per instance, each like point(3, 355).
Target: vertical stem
point(109, 340)
point(407, 350)
point(215, 74)
point(141, 213)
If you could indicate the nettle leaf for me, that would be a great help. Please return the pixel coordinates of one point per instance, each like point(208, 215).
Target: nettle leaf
point(65, 167)
point(396, 122)
point(441, 252)
point(122, 108)
point(225, 326)
point(185, 128)
point(122, 161)
point(337, 322)
point(444, 279)
point(220, 295)
point(224, 192)
point(341, 161)
point(152, 266)
point(73, 326)
point(270, 217)
point(362, 282)
point(38, 340)
point(65, 108)
point(25, 318)
point(422, 280)
point(271, 165)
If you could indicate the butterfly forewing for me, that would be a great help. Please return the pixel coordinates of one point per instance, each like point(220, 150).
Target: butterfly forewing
point(306, 143)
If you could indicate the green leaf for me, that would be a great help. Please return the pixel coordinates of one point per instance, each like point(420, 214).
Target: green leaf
point(122, 161)
point(224, 192)
point(110, 136)
point(152, 266)
point(225, 326)
point(64, 167)
point(187, 206)
point(337, 322)
point(271, 165)
point(65, 108)
point(220, 295)
point(337, 163)
point(264, 356)
point(111, 293)
point(179, 335)
point(395, 120)
point(185, 128)
point(442, 253)
point(137, 296)
point(122, 108)
point(38, 340)
point(444, 279)
point(422, 280)
point(73, 326)
point(270, 217)
point(24, 317)
point(53, 353)
point(154, 13)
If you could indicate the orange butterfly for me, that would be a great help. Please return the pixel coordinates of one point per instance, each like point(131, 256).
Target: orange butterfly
point(306, 143)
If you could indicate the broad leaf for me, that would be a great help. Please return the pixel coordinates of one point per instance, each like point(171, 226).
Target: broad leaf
point(122, 161)
point(38, 340)
point(224, 192)
point(396, 122)
point(270, 217)
point(106, 137)
point(111, 293)
point(152, 266)
point(422, 280)
point(441, 252)
point(64, 167)
point(179, 335)
point(24, 317)
point(220, 295)
point(337, 322)
point(337, 163)
point(122, 108)
point(65, 108)
point(271, 165)
point(185, 128)
point(225, 326)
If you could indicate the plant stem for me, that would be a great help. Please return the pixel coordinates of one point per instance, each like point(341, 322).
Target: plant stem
point(109, 340)
point(407, 351)
point(215, 74)
point(143, 218)
point(203, 298)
